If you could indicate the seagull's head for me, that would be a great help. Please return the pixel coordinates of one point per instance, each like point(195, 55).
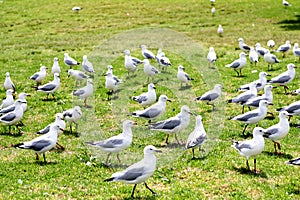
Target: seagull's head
point(242, 55)
point(23, 95)
point(268, 87)
point(264, 103)
point(259, 131)
point(55, 59)
point(151, 86)
point(7, 74)
point(180, 67)
point(77, 109)
point(296, 45)
point(66, 55)
point(164, 98)
point(127, 52)
point(109, 67)
point(150, 149)
point(186, 109)
point(291, 66)
point(129, 123)
point(218, 87)
point(89, 81)
point(70, 72)
point(143, 46)
point(241, 40)
point(211, 49)
point(263, 74)
point(284, 114)
point(257, 45)
point(43, 68)
point(57, 127)
point(287, 42)
point(198, 119)
point(59, 116)
point(9, 92)
point(146, 61)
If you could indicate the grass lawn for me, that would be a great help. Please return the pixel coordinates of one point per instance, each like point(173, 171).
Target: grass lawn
point(34, 32)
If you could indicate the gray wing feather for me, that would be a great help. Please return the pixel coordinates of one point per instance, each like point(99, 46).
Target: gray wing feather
point(78, 92)
point(170, 124)
point(111, 143)
point(247, 117)
point(47, 87)
point(39, 145)
point(9, 117)
point(132, 174)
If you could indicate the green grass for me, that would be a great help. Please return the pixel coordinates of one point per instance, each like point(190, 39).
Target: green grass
point(34, 32)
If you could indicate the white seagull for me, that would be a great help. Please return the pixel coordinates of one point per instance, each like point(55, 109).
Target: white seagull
point(253, 147)
point(297, 92)
point(55, 66)
point(213, 10)
point(42, 143)
point(182, 76)
point(110, 70)
point(284, 48)
point(254, 116)
point(9, 100)
point(279, 130)
point(243, 46)
point(285, 3)
point(174, 124)
point(268, 95)
point(149, 70)
point(50, 87)
point(77, 75)
point(138, 172)
point(220, 30)
point(211, 57)
point(253, 56)
point(238, 64)
point(212, 95)
point(261, 51)
point(154, 111)
point(292, 109)
point(146, 53)
point(111, 84)
point(197, 137)
point(271, 44)
point(270, 59)
point(148, 97)
point(295, 161)
point(260, 83)
point(38, 77)
point(117, 143)
point(286, 77)
point(162, 60)
point(296, 50)
point(72, 116)
point(22, 97)
point(87, 65)
point(85, 92)
point(8, 84)
point(70, 61)
point(130, 62)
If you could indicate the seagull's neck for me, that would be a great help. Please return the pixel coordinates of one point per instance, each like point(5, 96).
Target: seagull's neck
point(150, 160)
point(284, 122)
point(263, 109)
point(127, 131)
point(257, 138)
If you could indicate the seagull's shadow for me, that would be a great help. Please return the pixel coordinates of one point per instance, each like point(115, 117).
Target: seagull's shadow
point(171, 145)
point(244, 170)
point(73, 133)
point(11, 134)
point(185, 87)
point(281, 155)
point(240, 76)
point(148, 197)
point(294, 125)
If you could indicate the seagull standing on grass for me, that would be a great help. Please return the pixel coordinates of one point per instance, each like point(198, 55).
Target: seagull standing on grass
point(271, 44)
point(116, 143)
point(284, 48)
point(286, 77)
point(197, 137)
point(77, 75)
point(254, 116)
point(138, 172)
point(50, 87)
point(148, 97)
point(38, 77)
point(42, 143)
point(13, 117)
point(87, 65)
point(55, 66)
point(238, 64)
point(253, 147)
point(268, 95)
point(22, 98)
point(174, 124)
point(72, 116)
point(85, 92)
point(296, 50)
point(111, 84)
point(110, 70)
point(270, 59)
point(162, 60)
point(9, 100)
point(182, 76)
point(130, 62)
point(292, 109)
point(212, 95)
point(70, 61)
point(261, 51)
point(253, 56)
point(285, 3)
point(153, 111)
point(211, 57)
point(8, 84)
point(260, 83)
point(146, 53)
point(220, 30)
point(213, 11)
point(278, 131)
point(243, 46)
point(149, 70)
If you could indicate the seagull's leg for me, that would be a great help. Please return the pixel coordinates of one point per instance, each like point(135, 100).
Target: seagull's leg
point(76, 126)
point(249, 108)
point(177, 139)
point(243, 109)
point(19, 129)
point(240, 72)
point(60, 146)
point(154, 193)
point(37, 156)
point(248, 165)
point(245, 129)
point(275, 148)
point(132, 193)
point(118, 159)
point(9, 129)
point(85, 102)
point(278, 145)
point(193, 154)
point(237, 72)
point(44, 158)
point(71, 127)
point(255, 165)
point(106, 162)
point(285, 89)
point(166, 141)
point(47, 96)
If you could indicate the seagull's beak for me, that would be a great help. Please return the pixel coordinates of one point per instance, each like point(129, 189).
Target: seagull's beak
point(268, 74)
point(271, 104)
point(266, 134)
point(192, 113)
point(28, 95)
point(274, 87)
point(158, 151)
point(134, 123)
point(154, 87)
point(61, 129)
point(169, 100)
point(295, 67)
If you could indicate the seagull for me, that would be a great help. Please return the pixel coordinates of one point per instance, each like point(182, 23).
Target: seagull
point(238, 64)
point(55, 66)
point(253, 56)
point(42, 143)
point(131, 63)
point(243, 46)
point(50, 87)
point(87, 65)
point(174, 124)
point(286, 77)
point(197, 137)
point(146, 53)
point(297, 92)
point(211, 57)
point(72, 116)
point(292, 109)
point(138, 172)
point(9, 100)
point(212, 95)
point(154, 111)
point(296, 50)
point(85, 92)
point(77, 8)
point(253, 147)
point(22, 97)
point(38, 77)
point(220, 30)
point(271, 44)
point(285, 3)
point(268, 96)
point(182, 76)
point(70, 61)
point(8, 84)
point(279, 130)
point(149, 70)
point(213, 11)
point(212, 1)
point(116, 143)
point(148, 97)
point(295, 161)
point(77, 75)
point(162, 60)
point(13, 117)
point(261, 51)
point(111, 84)
point(270, 59)
point(284, 48)
point(110, 70)
point(245, 96)
point(260, 83)
point(254, 116)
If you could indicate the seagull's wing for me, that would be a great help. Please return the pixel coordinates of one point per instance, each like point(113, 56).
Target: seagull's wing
point(8, 117)
point(281, 79)
point(246, 116)
point(78, 92)
point(132, 173)
point(167, 124)
point(47, 87)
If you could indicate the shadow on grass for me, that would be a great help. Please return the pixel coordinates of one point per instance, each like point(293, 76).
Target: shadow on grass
point(292, 25)
point(244, 170)
point(148, 197)
point(11, 134)
point(281, 155)
point(185, 87)
point(73, 133)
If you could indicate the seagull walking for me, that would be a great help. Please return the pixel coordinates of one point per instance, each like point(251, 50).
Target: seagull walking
point(38, 77)
point(70, 61)
point(8, 84)
point(72, 116)
point(117, 143)
point(110, 70)
point(182, 76)
point(22, 97)
point(87, 65)
point(147, 54)
point(77, 75)
point(285, 3)
point(244, 47)
point(253, 56)
point(85, 92)
point(260, 83)
point(284, 48)
point(130, 62)
point(162, 60)
point(111, 84)
point(138, 172)
point(212, 95)
point(270, 59)
point(238, 64)
point(148, 97)
point(261, 51)
point(149, 70)
point(50, 87)
point(55, 66)
point(271, 44)
point(268, 96)
point(211, 57)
